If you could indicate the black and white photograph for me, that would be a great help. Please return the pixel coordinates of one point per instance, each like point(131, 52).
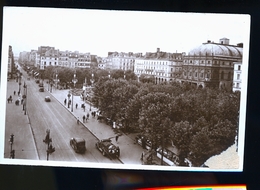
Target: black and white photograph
point(124, 89)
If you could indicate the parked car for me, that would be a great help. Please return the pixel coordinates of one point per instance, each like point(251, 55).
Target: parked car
point(143, 141)
point(107, 148)
point(40, 84)
point(41, 89)
point(47, 98)
point(78, 144)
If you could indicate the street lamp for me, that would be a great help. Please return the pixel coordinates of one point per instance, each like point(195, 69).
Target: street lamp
point(48, 141)
point(24, 98)
point(56, 80)
point(74, 80)
point(92, 81)
point(19, 80)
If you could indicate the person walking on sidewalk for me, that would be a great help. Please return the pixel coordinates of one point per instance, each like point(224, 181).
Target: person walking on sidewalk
point(78, 120)
point(87, 116)
point(65, 101)
point(84, 118)
point(14, 93)
point(76, 105)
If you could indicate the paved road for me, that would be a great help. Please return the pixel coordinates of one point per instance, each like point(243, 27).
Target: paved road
point(130, 152)
point(47, 115)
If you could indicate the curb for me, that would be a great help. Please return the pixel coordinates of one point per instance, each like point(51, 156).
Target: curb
point(80, 122)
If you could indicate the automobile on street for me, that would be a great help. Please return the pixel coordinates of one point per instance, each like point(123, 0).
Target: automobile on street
point(78, 144)
point(47, 99)
point(107, 148)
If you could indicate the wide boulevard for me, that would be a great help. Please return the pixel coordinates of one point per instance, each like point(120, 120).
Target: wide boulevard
point(53, 116)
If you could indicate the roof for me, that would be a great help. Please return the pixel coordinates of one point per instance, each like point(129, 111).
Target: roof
point(216, 49)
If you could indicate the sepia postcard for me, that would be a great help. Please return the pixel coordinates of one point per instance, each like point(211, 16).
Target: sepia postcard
point(124, 89)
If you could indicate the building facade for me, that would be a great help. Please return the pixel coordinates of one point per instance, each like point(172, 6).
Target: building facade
point(237, 77)
point(212, 64)
point(163, 66)
point(123, 61)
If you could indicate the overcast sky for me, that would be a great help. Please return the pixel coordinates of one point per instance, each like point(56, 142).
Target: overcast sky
point(99, 31)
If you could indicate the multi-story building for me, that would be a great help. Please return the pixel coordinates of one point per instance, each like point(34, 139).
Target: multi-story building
point(84, 60)
point(46, 56)
point(162, 65)
point(24, 57)
point(64, 58)
point(73, 58)
point(10, 66)
point(124, 61)
point(237, 77)
point(212, 64)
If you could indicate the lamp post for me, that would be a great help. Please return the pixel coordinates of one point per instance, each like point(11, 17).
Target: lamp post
point(92, 81)
point(19, 81)
point(24, 97)
point(74, 80)
point(56, 80)
point(48, 141)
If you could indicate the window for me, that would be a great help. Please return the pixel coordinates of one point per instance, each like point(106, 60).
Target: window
point(239, 67)
point(201, 75)
point(208, 62)
point(237, 85)
point(196, 74)
point(238, 76)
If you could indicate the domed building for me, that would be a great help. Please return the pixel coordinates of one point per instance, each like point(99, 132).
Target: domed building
point(212, 64)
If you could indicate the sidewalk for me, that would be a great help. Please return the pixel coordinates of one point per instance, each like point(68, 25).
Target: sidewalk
point(130, 153)
point(18, 123)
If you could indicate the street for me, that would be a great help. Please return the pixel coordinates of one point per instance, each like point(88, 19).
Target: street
point(42, 116)
point(62, 122)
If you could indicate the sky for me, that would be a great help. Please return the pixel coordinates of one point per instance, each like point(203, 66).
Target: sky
point(103, 31)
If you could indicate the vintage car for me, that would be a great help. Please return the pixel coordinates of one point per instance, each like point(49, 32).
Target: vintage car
point(78, 144)
point(143, 141)
point(41, 89)
point(107, 148)
point(47, 99)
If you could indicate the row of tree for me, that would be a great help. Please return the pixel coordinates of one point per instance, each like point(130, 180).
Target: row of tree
point(199, 122)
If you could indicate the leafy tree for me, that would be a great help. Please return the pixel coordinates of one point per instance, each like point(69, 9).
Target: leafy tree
point(154, 112)
point(181, 137)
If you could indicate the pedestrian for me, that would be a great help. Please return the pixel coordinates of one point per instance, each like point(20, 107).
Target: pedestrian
point(14, 93)
point(65, 101)
point(87, 116)
point(76, 105)
point(142, 156)
point(84, 118)
point(21, 101)
point(78, 120)
point(18, 93)
point(94, 114)
point(117, 138)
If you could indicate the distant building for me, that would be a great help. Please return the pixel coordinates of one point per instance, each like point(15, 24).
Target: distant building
point(11, 65)
point(212, 64)
point(163, 66)
point(237, 78)
point(123, 61)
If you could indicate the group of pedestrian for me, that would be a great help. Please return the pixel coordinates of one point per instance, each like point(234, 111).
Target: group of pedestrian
point(17, 102)
point(93, 113)
point(85, 118)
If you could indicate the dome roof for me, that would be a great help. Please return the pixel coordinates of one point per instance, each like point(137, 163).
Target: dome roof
point(217, 50)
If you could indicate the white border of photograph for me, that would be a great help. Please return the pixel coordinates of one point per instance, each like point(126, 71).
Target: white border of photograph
point(159, 25)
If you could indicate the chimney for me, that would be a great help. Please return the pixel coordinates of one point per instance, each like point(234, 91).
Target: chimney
point(240, 45)
point(208, 41)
